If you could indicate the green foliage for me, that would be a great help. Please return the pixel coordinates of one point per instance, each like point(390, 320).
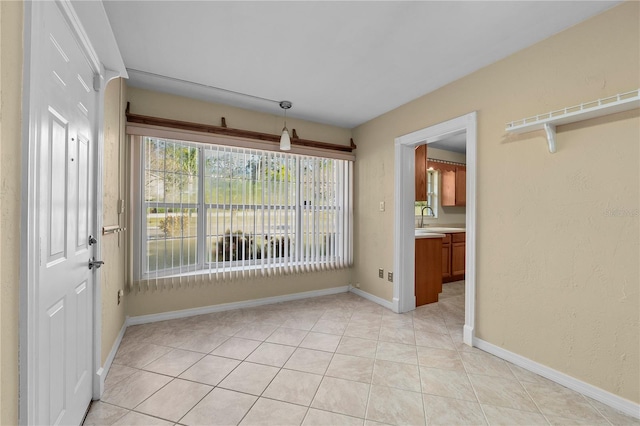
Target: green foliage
point(278, 247)
point(174, 226)
point(235, 246)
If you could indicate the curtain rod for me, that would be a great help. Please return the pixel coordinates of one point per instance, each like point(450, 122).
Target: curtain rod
point(227, 131)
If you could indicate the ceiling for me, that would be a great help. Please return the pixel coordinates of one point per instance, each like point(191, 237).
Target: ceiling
point(339, 63)
point(454, 143)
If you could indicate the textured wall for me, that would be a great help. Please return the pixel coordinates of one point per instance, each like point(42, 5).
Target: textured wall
point(158, 104)
point(10, 155)
point(168, 106)
point(557, 234)
point(113, 246)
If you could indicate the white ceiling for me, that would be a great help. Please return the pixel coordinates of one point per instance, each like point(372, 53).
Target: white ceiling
point(454, 143)
point(340, 63)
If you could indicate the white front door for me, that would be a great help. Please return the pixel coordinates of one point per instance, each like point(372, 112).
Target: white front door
point(66, 105)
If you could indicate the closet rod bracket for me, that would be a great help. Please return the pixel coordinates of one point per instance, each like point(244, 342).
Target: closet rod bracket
point(550, 129)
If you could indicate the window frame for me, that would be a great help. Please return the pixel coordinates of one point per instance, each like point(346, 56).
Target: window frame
point(433, 196)
point(202, 265)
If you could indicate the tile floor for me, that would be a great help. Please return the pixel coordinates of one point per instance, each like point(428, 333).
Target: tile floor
point(333, 360)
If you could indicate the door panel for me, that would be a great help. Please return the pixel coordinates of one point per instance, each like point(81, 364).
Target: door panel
point(82, 208)
point(56, 181)
point(82, 304)
point(55, 353)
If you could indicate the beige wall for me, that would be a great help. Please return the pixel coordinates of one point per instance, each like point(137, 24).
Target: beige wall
point(10, 155)
point(113, 245)
point(151, 302)
point(163, 105)
point(198, 295)
point(557, 234)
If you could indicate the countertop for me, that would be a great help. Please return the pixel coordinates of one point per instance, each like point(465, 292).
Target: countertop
point(438, 231)
point(420, 235)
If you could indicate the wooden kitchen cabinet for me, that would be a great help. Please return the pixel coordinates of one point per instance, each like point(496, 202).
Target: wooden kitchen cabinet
point(453, 257)
point(446, 257)
point(421, 173)
point(428, 271)
point(454, 186)
point(461, 186)
point(458, 247)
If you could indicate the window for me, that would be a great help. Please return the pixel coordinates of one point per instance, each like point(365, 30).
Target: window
point(227, 210)
point(432, 192)
point(431, 205)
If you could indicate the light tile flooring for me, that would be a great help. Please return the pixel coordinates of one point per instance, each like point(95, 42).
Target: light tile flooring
point(334, 360)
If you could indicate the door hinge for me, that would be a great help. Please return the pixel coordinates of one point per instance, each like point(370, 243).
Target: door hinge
point(97, 82)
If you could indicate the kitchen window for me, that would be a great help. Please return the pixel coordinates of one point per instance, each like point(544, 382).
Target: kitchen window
point(429, 208)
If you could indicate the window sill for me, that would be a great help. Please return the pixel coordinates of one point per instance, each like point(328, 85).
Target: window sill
point(267, 269)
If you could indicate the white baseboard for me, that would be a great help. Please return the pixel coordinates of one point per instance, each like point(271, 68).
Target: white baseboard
point(467, 335)
point(375, 299)
point(184, 313)
point(102, 372)
point(614, 401)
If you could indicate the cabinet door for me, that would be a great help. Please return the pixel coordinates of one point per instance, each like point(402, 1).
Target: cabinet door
point(428, 277)
point(457, 259)
point(421, 173)
point(461, 186)
point(446, 261)
point(448, 195)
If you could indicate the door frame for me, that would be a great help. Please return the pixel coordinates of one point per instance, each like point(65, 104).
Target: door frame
point(29, 234)
point(404, 299)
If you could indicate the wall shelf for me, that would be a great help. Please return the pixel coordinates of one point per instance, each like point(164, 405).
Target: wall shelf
point(549, 121)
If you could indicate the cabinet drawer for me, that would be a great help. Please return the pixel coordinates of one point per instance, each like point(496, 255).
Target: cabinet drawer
point(459, 237)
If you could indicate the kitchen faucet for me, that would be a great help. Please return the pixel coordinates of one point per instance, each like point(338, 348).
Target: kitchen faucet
point(422, 215)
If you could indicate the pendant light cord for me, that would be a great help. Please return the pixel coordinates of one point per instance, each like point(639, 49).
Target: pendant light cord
point(202, 85)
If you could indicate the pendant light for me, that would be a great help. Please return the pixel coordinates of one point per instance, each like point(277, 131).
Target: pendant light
point(285, 139)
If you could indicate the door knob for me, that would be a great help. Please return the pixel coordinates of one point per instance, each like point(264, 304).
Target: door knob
point(93, 263)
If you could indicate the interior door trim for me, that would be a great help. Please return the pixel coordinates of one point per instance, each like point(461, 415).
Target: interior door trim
point(404, 226)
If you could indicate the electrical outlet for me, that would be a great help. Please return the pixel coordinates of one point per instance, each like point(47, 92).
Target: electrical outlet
point(390, 276)
point(120, 294)
point(380, 273)
point(357, 285)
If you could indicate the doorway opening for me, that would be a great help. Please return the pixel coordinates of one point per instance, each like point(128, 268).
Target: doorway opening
point(404, 223)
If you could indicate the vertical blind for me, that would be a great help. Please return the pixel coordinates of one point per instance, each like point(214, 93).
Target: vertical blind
point(215, 212)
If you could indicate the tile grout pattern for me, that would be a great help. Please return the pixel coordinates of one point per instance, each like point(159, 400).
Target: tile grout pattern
point(337, 359)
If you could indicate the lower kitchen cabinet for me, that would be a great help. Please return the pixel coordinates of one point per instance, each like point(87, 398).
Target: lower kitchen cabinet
point(453, 257)
point(428, 271)
point(446, 258)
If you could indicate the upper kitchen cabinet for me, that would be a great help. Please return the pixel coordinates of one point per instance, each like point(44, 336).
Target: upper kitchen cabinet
point(421, 173)
point(454, 183)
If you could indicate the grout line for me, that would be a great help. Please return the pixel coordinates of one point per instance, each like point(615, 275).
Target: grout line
point(598, 410)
